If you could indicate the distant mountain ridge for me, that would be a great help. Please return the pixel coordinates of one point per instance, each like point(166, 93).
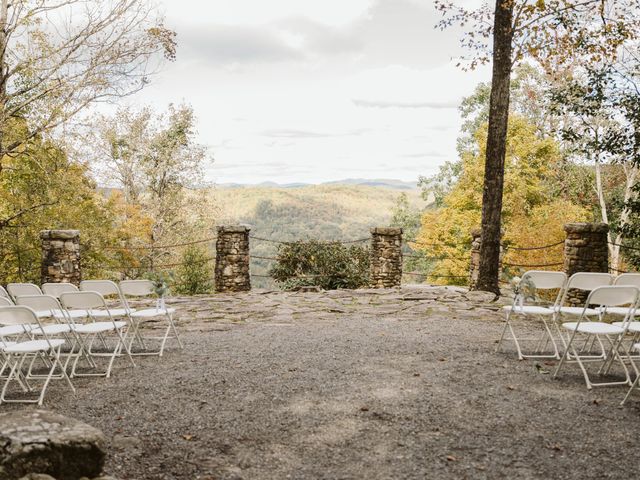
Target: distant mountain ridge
point(369, 182)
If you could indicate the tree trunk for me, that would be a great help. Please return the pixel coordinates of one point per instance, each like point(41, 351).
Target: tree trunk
point(496, 148)
point(4, 5)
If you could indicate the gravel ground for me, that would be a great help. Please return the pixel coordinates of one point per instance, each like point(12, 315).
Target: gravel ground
point(396, 384)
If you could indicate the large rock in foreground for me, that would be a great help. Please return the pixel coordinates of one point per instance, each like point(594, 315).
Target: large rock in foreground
point(38, 441)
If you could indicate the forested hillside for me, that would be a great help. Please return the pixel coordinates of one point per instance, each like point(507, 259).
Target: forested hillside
point(324, 212)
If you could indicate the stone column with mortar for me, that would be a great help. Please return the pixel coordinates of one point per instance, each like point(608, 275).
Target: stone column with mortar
point(474, 268)
point(60, 256)
point(585, 250)
point(232, 259)
point(386, 257)
point(474, 264)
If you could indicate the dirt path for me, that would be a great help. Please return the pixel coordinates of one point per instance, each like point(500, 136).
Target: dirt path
point(396, 384)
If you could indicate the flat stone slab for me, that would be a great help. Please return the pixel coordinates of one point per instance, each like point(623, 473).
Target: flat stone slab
point(39, 441)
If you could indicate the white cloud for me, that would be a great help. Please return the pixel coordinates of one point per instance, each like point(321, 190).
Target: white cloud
point(292, 90)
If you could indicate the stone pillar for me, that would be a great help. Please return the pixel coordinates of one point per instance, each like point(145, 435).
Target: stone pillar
point(474, 267)
point(474, 264)
point(386, 257)
point(60, 256)
point(232, 259)
point(585, 250)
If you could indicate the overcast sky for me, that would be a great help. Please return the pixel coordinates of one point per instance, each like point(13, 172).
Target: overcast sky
point(316, 90)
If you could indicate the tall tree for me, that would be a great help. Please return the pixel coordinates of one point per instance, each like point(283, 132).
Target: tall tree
point(157, 164)
point(496, 147)
point(57, 57)
point(553, 32)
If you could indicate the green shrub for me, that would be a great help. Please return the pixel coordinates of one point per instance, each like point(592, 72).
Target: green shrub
point(195, 274)
point(329, 265)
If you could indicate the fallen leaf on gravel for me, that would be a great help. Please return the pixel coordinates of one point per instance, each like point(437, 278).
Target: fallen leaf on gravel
point(442, 359)
point(451, 458)
point(481, 467)
point(596, 401)
point(416, 374)
point(187, 437)
point(364, 409)
point(510, 387)
point(541, 369)
point(556, 447)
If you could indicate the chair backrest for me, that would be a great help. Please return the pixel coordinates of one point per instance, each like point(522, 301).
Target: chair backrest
point(22, 315)
point(5, 302)
point(628, 279)
point(39, 303)
point(18, 289)
point(56, 289)
point(589, 280)
point(544, 280)
point(614, 296)
point(137, 288)
point(105, 288)
point(82, 300)
point(18, 315)
point(3, 292)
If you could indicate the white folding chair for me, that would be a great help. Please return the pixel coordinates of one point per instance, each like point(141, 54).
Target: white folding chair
point(110, 290)
point(144, 288)
point(46, 349)
point(90, 330)
point(585, 281)
point(603, 297)
point(7, 333)
point(56, 289)
point(540, 280)
point(4, 293)
point(47, 307)
point(17, 289)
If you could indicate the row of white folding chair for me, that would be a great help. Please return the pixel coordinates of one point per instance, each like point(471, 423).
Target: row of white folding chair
point(626, 298)
point(72, 307)
point(551, 317)
point(81, 336)
point(107, 288)
point(15, 352)
point(622, 298)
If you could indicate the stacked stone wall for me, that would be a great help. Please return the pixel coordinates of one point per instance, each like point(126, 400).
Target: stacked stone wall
point(386, 257)
point(474, 263)
point(60, 256)
point(585, 250)
point(232, 259)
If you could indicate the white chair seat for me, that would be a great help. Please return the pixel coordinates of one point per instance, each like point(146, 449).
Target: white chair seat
point(33, 346)
point(633, 326)
point(598, 328)
point(619, 310)
point(152, 312)
point(529, 309)
point(71, 313)
point(577, 311)
point(115, 312)
point(57, 314)
point(15, 329)
point(99, 327)
point(52, 329)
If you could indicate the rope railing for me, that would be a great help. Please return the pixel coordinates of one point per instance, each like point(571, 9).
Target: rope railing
point(161, 247)
point(538, 265)
point(541, 247)
point(154, 267)
point(292, 242)
point(624, 247)
point(615, 270)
